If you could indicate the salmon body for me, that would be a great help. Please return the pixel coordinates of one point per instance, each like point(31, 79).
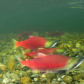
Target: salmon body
point(32, 43)
point(41, 50)
point(47, 62)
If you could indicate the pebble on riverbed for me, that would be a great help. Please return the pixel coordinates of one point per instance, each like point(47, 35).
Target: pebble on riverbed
point(26, 80)
point(68, 79)
point(11, 64)
point(11, 73)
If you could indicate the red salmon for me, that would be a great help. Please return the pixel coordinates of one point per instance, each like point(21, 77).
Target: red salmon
point(47, 63)
point(32, 43)
point(41, 50)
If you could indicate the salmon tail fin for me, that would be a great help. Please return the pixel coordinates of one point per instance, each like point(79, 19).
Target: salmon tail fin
point(19, 60)
point(14, 42)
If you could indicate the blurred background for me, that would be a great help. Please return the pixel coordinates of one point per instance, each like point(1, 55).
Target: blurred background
point(41, 15)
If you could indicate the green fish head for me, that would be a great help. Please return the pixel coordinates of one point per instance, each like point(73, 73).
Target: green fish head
point(47, 45)
point(74, 62)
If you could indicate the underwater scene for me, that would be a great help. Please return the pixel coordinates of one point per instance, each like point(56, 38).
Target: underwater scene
point(41, 41)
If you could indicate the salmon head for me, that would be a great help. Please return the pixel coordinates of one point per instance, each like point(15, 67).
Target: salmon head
point(74, 62)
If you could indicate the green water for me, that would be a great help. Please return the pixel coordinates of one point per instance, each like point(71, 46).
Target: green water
point(41, 15)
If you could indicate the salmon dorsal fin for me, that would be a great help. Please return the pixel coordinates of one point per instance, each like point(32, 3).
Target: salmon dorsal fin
point(41, 55)
point(31, 36)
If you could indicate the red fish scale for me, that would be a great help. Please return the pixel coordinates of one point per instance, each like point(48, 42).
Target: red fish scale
point(33, 43)
point(51, 62)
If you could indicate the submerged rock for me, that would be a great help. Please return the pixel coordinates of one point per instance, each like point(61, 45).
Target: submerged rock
point(2, 67)
point(6, 80)
point(36, 79)
point(75, 82)
point(63, 83)
point(67, 79)
point(77, 76)
point(78, 45)
point(14, 76)
point(36, 72)
point(43, 80)
point(1, 75)
point(11, 64)
point(26, 80)
point(35, 75)
point(50, 75)
point(55, 83)
point(81, 82)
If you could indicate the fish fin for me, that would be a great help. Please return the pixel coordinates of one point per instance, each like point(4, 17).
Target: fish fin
point(61, 72)
point(14, 41)
point(19, 61)
point(41, 55)
point(31, 36)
